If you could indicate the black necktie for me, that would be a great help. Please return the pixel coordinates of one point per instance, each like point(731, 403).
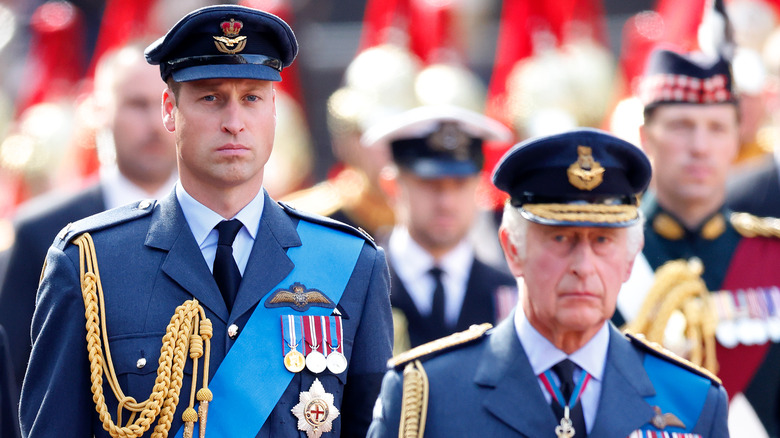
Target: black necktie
point(437, 309)
point(565, 371)
point(226, 272)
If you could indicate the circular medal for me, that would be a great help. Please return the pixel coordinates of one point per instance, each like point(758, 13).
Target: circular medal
point(773, 328)
point(760, 335)
point(726, 334)
point(744, 331)
point(315, 362)
point(294, 361)
point(337, 363)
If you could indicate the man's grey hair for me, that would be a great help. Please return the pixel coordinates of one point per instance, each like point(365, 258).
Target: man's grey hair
point(517, 228)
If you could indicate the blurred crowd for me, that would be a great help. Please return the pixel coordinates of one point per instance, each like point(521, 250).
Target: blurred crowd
point(552, 67)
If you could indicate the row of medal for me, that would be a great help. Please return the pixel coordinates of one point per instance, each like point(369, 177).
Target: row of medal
point(313, 342)
point(661, 434)
point(747, 317)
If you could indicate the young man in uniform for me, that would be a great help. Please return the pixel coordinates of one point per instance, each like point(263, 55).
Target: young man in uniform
point(438, 285)
point(283, 321)
point(571, 230)
point(691, 133)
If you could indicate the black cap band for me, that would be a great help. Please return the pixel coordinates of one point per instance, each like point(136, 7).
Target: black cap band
point(195, 61)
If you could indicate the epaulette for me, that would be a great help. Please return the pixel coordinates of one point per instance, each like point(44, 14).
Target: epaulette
point(753, 226)
point(659, 351)
point(441, 345)
point(104, 220)
point(323, 220)
point(322, 199)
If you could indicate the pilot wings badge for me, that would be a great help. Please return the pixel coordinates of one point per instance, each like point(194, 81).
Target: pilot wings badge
point(299, 298)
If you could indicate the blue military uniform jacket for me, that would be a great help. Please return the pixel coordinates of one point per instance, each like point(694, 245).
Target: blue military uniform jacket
point(480, 304)
point(150, 264)
point(487, 388)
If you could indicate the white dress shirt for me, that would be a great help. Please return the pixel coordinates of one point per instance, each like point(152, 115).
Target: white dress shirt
point(543, 355)
point(202, 221)
point(119, 191)
point(412, 264)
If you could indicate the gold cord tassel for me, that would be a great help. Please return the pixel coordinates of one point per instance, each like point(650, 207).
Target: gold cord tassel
point(679, 289)
point(414, 404)
point(180, 337)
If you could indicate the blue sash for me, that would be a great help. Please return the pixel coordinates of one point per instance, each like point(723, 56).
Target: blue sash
point(677, 391)
point(252, 377)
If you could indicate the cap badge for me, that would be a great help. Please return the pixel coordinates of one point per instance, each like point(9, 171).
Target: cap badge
point(231, 43)
point(299, 297)
point(585, 173)
point(315, 411)
point(450, 138)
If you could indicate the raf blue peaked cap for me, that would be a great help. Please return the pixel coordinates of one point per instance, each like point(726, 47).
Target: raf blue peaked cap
point(225, 41)
point(584, 177)
point(437, 141)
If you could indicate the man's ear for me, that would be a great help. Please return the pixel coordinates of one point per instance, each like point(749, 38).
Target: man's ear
point(511, 254)
point(168, 108)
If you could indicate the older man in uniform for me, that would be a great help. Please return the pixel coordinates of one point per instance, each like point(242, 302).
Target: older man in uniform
point(691, 132)
point(274, 322)
point(571, 230)
point(438, 285)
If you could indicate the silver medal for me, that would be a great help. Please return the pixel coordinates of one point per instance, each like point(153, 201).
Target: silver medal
point(316, 362)
point(337, 363)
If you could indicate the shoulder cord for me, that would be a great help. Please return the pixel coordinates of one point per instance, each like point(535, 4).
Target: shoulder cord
point(678, 287)
point(187, 331)
point(414, 405)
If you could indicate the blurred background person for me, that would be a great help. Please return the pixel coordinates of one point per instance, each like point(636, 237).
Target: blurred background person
point(691, 133)
point(438, 286)
point(138, 161)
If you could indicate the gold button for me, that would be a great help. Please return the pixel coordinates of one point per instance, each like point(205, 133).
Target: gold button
point(233, 331)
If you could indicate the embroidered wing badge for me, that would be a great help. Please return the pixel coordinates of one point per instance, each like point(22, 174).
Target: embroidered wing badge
point(299, 298)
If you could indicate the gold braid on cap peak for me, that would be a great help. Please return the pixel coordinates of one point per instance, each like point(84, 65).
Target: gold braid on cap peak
point(679, 288)
point(583, 212)
point(188, 331)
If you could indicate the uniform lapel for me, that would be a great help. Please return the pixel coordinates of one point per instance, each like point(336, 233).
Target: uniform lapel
point(185, 263)
point(622, 407)
point(268, 262)
point(516, 398)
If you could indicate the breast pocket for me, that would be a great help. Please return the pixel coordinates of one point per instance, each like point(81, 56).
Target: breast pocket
point(136, 362)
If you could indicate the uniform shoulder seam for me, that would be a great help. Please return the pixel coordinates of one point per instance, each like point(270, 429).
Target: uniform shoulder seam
point(328, 222)
point(659, 351)
point(104, 220)
point(438, 346)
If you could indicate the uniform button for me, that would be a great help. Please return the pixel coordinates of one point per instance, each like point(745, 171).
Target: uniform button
point(140, 363)
point(144, 204)
point(233, 331)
